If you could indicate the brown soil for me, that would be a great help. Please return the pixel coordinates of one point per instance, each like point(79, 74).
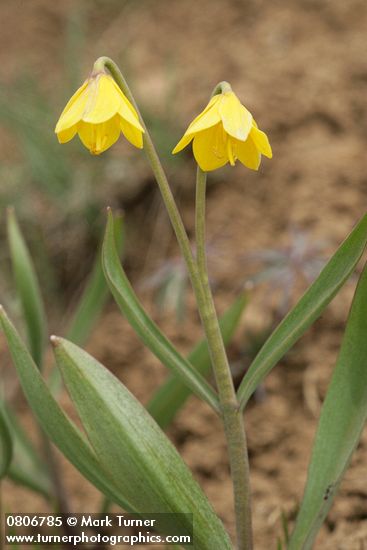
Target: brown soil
point(300, 68)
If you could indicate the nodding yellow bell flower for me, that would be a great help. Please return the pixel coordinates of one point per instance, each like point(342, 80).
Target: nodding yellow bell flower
point(224, 132)
point(98, 112)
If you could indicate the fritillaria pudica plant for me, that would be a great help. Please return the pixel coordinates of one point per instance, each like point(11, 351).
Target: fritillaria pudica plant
point(127, 456)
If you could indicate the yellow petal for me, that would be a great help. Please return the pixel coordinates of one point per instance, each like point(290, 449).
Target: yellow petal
point(248, 153)
point(184, 141)
point(74, 109)
point(131, 133)
point(66, 135)
point(210, 148)
point(206, 119)
point(128, 113)
point(99, 137)
point(261, 141)
point(127, 110)
point(236, 119)
point(231, 149)
point(104, 99)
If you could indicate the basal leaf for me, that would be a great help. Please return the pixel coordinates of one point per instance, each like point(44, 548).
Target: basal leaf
point(343, 416)
point(26, 467)
point(145, 466)
point(59, 428)
point(307, 310)
point(144, 326)
point(6, 443)
point(28, 288)
point(95, 293)
point(91, 303)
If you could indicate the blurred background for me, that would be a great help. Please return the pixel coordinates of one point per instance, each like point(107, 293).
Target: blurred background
point(299, 68)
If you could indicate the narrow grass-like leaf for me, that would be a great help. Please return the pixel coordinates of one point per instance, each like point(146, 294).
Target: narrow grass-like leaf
point(6, 443)
point(90, 304)
point(26, 467)
point(144, 326)
point(307, 310)
point(28, 288)
point(143, 463)
point(343, 416)
point(22, 472)
point(95, 293)
point(172, 394)
point(59, 428)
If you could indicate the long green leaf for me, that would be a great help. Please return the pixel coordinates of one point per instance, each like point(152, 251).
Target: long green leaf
point(28, 288)
point(143, 463)
point(95, 293)
point(172, 394)
point(91, 303)
point(6, 443)
point(60, 429)
point(144, 326)
point(26, 467)
point(307, 310)
point(20, 472)
point(343, 416)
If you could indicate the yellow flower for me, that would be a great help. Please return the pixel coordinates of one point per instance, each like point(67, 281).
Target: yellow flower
point(98, 112)
point(224, 132)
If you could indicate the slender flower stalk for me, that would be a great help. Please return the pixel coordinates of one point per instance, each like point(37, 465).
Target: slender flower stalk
point(232, 416)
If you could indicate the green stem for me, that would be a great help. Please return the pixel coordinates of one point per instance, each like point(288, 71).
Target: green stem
point(222, 88)
point(200, 222)
point(232, 416)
